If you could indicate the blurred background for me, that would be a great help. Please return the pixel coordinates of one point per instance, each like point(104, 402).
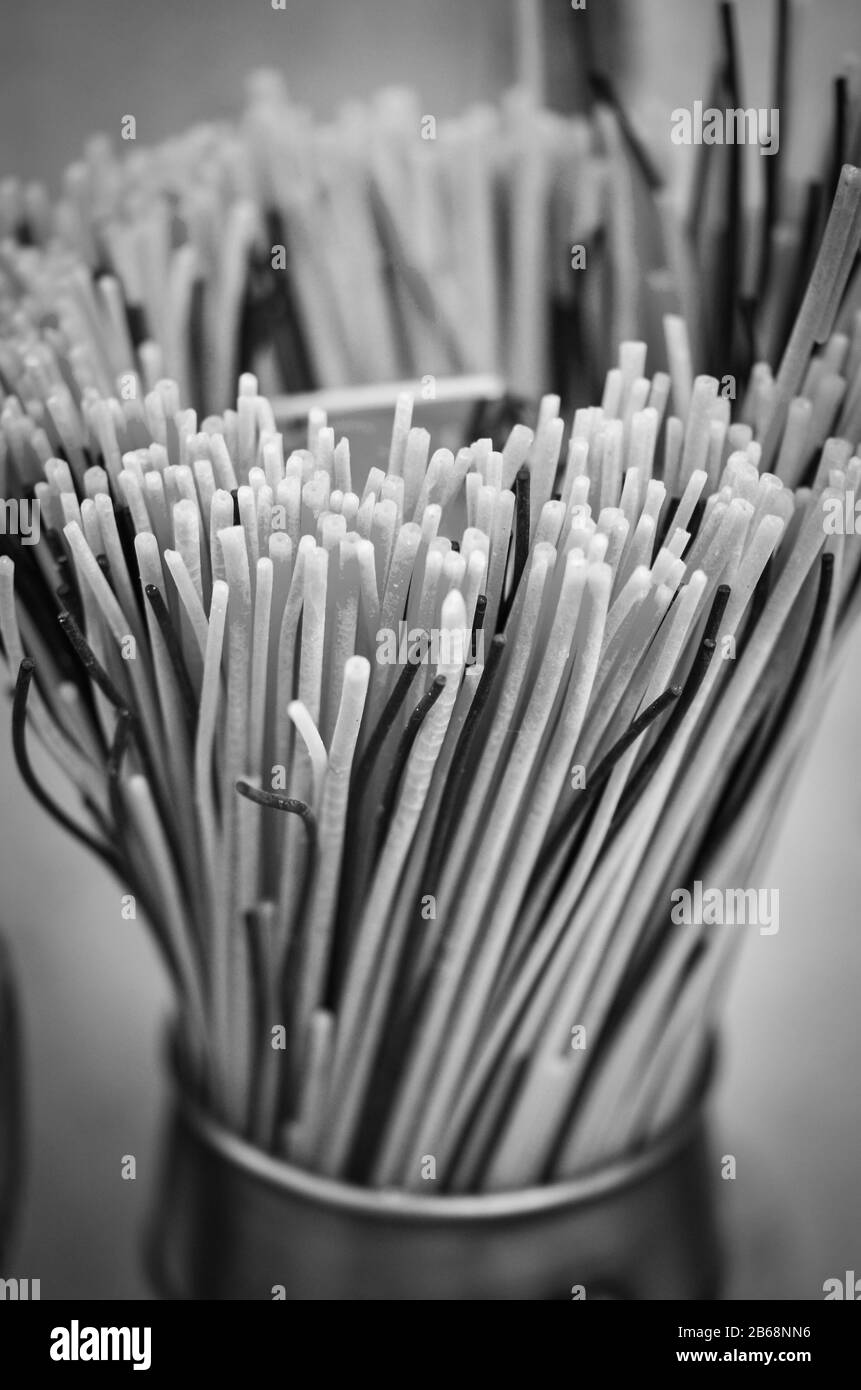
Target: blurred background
point(73, 68)
point(95, 1001)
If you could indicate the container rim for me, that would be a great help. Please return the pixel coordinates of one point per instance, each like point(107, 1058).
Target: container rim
point(386, 1203)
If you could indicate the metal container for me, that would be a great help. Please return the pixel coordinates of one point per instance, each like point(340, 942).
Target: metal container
point(232, 1222)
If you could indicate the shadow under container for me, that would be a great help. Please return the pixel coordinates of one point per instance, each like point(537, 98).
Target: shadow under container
point(232, 1222)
